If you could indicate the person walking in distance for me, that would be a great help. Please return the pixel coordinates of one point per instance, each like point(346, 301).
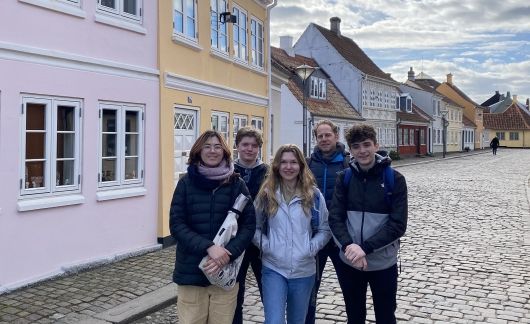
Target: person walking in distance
point(252, 170)
point(494, 144)
point(200, 204)
point(368, 215)
point(292, 227)
point(328, 158)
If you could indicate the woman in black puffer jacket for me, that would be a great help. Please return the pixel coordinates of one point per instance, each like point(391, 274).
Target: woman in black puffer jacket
point(200, 204)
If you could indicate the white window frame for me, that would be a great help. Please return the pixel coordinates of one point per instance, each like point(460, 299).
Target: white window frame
point(69, 7)
point(240, 49)
point(318, 88)
point(236, 126)
point(50, 188)
point(259, 124)
point(219, 26)
point(514, 136)
point(121, 113)
point(185, 33)
point(221, 115)
point(256, 42)
point(118, 11)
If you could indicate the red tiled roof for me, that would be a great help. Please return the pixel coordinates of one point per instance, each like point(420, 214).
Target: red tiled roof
point(513, 118)
point(353, 53)
point(335, 105)
point(416, 116)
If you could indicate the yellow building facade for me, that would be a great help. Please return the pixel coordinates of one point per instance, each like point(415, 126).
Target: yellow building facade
point(454, 117)
point(215, 74)
point(472, 110)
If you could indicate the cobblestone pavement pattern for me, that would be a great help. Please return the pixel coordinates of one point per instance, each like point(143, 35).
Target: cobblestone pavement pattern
point(463, 258)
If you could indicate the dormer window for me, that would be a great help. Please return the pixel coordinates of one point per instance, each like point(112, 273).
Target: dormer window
point(404, 103)
point(318, 88)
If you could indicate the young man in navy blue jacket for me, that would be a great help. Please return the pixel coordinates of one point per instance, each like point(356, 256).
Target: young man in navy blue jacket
point(253, 171)
point(328, 158)
point(367, 220)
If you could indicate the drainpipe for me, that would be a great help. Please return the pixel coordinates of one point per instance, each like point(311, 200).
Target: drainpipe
point(269, 76)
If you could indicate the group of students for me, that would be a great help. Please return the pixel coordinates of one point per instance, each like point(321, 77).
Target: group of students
point(332, 204)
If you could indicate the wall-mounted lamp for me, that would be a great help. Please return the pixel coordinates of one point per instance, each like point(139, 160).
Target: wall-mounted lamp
point(227, 17)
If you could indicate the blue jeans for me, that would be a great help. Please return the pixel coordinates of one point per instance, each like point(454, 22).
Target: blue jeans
point(280, 293)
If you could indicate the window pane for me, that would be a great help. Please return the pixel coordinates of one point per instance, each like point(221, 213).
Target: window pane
point(108, 145)
point(224, 124)
point(190, 27)
point(35, 174)
point(215, 122)
point(131, 122)
point(190, 8)
point(35, 116)
point(108, 3)
point(65, 118)
point(177, 4)
point(108, 170)
point(65, 173)
point(109, 120)
point(131, 144)
point(129, 6)
point(178, 22)
point(131, 168)
point(65, 145)
point(35, 145)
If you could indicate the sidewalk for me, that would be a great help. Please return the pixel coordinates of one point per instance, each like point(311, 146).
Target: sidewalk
point(116, 293)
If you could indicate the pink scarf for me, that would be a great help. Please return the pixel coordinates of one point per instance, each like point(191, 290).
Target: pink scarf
point(220, 172)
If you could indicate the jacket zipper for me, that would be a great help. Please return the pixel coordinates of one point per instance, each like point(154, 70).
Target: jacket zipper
point(362, 220)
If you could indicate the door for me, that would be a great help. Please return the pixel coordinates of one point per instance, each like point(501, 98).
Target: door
point(185, 134)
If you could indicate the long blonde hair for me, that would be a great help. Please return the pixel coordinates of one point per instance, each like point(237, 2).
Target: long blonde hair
point(266, 198)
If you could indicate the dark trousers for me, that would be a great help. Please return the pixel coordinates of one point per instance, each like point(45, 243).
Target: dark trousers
point(331, 251)
point(251, 258)
point(494, 150)
point(383, 284)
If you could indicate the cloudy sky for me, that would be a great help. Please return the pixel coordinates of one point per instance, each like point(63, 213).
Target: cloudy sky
point(485, 44)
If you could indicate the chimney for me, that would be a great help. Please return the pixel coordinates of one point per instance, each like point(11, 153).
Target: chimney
point(528, 103)
point(450, 79)
point(496, 92)
point(335, 25)
point(286, 44)
point(411, 76)
point(515, 97)
point(508, 94)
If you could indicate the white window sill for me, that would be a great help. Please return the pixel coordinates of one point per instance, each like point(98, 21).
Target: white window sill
point(179, 39)
point(257, 69)
point(69, 9)
point(249, 67)
point(50, 202)
point(120, 193)
point(220, 55)
point(120, 23)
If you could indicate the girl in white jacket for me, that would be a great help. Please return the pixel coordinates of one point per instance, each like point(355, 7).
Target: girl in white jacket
point(290, 231)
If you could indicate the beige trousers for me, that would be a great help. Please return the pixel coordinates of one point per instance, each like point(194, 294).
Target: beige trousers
point(206, 305)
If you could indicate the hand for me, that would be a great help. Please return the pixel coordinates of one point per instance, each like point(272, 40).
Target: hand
point(353, 253)
point(361, 263)
point(219, 255)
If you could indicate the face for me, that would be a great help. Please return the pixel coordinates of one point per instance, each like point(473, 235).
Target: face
point(212, 152)
point(289, 167)
point(248, 149)
point(364, 153)
point(326, 139)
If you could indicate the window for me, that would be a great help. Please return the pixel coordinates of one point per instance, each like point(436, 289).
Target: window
point(422, 136)
point(405, 137)
point(257, 123)
point(50, 145)
point(412, 142)
point(256, 38)
point(500, 136)
point(219, 38)
point(128, 9)
point(220, 123)
point(404, 103)
point(185, 18)
point(121, 153)
point(240, 34)
point(400, 137)
point(239, 122)
point(514, 136)
point(318, 88)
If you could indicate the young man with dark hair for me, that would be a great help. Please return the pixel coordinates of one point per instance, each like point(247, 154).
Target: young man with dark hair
point(328, 158)
point(248, 143)
point(367, 220)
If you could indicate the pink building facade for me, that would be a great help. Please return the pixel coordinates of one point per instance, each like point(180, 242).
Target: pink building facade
point(79, 116)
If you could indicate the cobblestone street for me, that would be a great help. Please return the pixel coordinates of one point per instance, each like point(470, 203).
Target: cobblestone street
point(463, 258)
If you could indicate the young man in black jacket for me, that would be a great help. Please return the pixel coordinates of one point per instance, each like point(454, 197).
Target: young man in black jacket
point(367, 221)
point(328, 158)
point(248, 143)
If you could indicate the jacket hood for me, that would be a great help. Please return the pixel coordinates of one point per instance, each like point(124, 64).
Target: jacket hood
point(340, 151)
point(380, 163)
point(239, 164)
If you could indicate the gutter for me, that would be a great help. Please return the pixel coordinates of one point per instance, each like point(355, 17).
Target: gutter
point(269, 76)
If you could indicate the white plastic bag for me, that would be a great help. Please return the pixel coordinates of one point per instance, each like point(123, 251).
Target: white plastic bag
point(227, 276)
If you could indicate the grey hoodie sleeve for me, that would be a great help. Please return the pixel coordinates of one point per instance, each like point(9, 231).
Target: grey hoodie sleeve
point(321, 238)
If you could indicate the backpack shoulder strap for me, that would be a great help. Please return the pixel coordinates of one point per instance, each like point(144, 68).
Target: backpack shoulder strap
point(389, 180)
point(315, 212)
point(347, 177)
